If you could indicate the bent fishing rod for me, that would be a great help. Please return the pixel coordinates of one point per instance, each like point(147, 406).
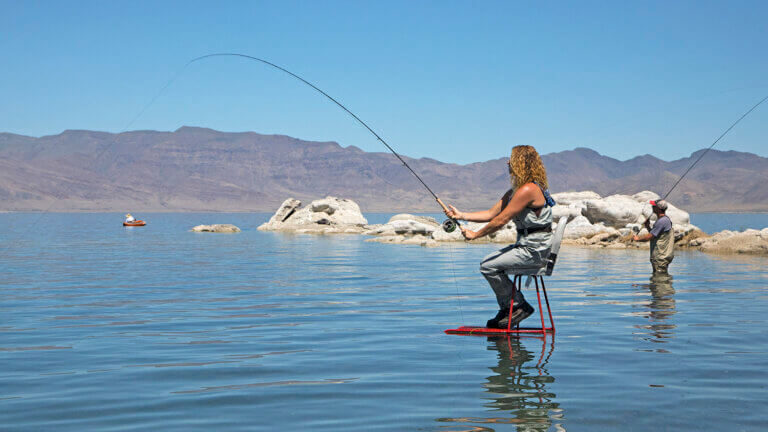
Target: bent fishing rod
point(449, 225)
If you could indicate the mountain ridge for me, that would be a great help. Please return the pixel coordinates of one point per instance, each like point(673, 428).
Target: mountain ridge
point(201, 169)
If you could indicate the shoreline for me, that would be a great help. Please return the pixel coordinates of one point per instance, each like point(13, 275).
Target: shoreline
point(417, 213)
point(590, 220)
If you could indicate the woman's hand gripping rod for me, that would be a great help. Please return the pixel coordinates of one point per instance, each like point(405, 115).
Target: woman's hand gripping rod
point(449, 225)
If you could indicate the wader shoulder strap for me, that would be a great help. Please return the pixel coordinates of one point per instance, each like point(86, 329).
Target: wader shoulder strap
point(547, 197)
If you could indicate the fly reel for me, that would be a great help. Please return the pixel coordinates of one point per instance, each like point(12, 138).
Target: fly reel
point(449, 225)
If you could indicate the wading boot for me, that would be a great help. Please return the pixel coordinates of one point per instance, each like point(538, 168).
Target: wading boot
point(494, 322)
point(518, 314)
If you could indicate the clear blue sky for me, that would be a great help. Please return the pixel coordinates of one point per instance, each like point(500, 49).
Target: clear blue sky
point(455, 81)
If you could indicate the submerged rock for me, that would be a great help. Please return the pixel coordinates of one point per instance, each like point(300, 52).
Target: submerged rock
point(419, 240)
point(217, 228)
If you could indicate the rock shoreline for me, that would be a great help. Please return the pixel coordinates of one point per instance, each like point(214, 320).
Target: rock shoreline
point(593, 221)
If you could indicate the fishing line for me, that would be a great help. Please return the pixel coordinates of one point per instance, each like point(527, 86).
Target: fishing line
point(712, 145)
point(326, 95)
point(455, 283)
point(449, 225)
point(690, 167)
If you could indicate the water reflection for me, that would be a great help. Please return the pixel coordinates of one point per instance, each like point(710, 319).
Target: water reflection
point(518, 387)
point(661, 308)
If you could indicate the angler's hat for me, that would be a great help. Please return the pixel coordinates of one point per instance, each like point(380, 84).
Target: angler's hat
point(659, 204)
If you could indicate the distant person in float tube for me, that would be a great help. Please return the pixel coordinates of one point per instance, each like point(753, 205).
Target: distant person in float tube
point(662, 238)
point(528, 205)
point(129, 218)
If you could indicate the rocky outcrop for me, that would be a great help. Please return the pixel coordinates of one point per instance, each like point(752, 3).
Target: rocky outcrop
point(427, 231)
point(217, 228)
point(619, 210)
point(572, 204)
point(593, 221)
point(686, 231)
point(406, 229)
point(507, 234)
point(750, 241)
point(567, 198)
point(406, 225)
point(329, 215)
point(581, 227)
point(286, 210)
point(615, 211)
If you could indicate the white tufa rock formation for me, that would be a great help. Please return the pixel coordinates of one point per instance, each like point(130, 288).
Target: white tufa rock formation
point(324, 216)
point(593, 222)
point(750, 241)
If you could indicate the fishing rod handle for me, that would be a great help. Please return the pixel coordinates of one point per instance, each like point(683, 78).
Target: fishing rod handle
point(445, 208)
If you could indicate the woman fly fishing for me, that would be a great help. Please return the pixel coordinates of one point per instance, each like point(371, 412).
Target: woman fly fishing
point(527, 203)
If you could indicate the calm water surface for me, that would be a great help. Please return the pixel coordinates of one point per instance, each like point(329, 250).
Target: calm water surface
point(158, 328)
point(713, 222)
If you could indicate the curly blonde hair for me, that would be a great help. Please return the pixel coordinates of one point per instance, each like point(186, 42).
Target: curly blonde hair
point(525, 166)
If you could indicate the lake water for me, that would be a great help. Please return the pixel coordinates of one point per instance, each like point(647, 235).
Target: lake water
point(713, 222)
point(158, 328)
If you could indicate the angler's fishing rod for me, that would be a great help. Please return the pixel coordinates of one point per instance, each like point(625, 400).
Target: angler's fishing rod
point(449, 225)
point(707, 150)
point(712, 145)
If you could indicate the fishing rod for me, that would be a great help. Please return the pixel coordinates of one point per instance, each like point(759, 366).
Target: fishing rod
point(712, 145)
point(449, 225)
point(707, 150)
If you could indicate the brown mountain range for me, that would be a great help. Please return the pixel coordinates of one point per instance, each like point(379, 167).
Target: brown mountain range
point(196, 169)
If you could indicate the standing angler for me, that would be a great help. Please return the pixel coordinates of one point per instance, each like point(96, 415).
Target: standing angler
point(662, 238)
point(528, 202)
